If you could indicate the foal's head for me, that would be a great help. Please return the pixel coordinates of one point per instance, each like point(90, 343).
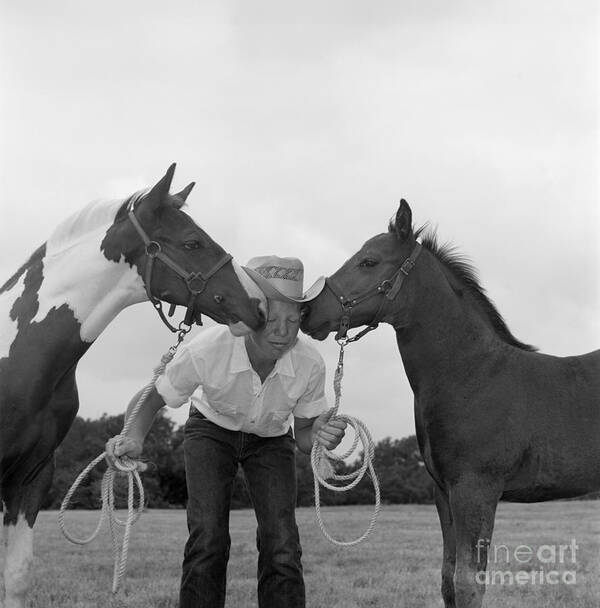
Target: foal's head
point(359, 287)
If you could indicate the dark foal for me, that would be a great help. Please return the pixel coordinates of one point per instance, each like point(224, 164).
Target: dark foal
point(494, 419)
point(58, 303)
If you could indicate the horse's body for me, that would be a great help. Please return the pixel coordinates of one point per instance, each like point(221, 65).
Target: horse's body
point(55, 306)
point(494, 419)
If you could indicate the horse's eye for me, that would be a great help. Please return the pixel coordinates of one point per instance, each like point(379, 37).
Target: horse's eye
point(368, 263)
point(192, 245)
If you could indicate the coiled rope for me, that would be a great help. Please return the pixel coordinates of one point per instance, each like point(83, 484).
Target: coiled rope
point(118, 465)
point(321, 457)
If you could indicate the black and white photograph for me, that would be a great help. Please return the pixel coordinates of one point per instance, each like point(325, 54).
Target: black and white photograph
point(299, 304)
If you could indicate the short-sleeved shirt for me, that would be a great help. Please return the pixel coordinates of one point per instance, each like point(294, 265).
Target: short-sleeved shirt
point(214, 373)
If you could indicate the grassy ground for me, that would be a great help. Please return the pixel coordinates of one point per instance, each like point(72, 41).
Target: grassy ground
point(398, 566)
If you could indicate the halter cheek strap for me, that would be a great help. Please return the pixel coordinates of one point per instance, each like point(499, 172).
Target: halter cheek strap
point(195, 281)
point(389, 288)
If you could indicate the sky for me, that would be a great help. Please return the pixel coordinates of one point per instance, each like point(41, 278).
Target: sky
point(303, 125)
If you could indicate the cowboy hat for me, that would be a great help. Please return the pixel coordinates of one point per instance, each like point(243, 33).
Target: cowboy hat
point(282, 278)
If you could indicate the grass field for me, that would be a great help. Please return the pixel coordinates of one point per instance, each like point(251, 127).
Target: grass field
point(398, 566)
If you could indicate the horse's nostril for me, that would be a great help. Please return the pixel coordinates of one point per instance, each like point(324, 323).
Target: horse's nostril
point(218, 299)
point(261, 309)
point(262, 317)
point(304, 312)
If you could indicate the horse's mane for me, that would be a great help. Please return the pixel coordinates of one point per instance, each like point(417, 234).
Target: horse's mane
point(95, 215)
point(462, 269)
point(70, 231)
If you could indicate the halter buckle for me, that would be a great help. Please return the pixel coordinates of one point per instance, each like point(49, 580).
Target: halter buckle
point(407, 266)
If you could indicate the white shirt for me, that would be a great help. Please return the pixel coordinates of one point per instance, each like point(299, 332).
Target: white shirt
point(213, 371)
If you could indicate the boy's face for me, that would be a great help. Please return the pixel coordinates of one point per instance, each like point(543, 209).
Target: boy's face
point(280, 331)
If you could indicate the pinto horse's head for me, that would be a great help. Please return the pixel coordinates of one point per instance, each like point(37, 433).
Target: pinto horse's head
point(178, 261)
point(362, 290)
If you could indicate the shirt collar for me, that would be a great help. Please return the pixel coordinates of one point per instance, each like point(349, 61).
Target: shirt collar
point(240, 361)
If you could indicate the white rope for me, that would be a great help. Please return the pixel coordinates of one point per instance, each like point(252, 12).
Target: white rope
point(123, 465)
point(323, 470)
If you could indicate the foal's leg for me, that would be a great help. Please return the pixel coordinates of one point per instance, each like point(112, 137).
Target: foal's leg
point(473, 504)
point(449, 538)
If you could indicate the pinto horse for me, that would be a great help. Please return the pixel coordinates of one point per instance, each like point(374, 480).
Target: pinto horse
point(106, 257)
point(494, 419)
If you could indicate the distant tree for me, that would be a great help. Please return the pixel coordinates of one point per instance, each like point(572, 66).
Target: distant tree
point(402, 475)
point(86, 439)
point(397, 462)
point(399, 469)
point(174, 484)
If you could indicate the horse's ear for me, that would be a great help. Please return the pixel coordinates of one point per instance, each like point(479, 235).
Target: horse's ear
point(403, 221)
point(159, 192)
point(185, 192)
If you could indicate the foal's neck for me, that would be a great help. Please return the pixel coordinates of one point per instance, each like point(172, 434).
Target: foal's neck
point(444, 333)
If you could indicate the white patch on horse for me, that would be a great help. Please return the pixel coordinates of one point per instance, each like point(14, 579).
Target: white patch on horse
point(8, 327)
point(90, 218)
point(251, 288)
point(18, 562)
point(253, 291)
point(76, 273)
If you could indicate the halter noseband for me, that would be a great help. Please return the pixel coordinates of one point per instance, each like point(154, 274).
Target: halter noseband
point(195, 281)
point(388, 288)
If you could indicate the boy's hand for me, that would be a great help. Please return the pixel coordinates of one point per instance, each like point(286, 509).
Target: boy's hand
point(122, 446)
point(329, 433)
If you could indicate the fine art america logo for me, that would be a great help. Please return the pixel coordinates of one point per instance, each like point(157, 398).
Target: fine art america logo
point(528, 565)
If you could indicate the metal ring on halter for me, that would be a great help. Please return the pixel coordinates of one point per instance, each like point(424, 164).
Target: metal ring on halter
point(196, 276)
point(153, 249)
point(184, 327)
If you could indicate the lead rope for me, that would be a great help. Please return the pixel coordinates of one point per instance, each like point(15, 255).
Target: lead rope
point(323, 470)
point(126, 466)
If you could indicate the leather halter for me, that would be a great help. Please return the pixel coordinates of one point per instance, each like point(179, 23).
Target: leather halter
point(388, 288)
point(195, 281)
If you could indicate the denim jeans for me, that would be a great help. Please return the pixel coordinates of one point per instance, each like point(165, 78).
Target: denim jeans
point(212, 454)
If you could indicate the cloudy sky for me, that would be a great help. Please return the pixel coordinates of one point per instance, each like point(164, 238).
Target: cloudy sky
point(303, 125)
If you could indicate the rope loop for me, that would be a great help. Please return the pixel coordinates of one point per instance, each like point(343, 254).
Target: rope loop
point(107, 492)
point(322, 462)
point(118, 466)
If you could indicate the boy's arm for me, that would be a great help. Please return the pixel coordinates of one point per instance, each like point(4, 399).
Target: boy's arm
point(132, 443)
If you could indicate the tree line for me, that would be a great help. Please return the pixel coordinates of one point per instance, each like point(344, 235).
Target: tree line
point(402, 476)
point(398, 465)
